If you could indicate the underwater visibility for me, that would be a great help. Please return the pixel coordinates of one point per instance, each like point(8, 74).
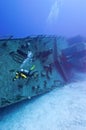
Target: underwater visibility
point(42, 65)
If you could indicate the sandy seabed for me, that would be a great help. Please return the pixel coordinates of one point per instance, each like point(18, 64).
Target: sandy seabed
point(62, 109)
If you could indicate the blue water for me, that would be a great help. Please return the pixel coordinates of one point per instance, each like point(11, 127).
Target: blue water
point(26, 17)
point(63, 108)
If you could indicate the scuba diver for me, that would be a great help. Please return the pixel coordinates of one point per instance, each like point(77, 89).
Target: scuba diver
point(24, 74)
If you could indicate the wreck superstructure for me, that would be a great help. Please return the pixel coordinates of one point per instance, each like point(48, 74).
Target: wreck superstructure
point(31, 66)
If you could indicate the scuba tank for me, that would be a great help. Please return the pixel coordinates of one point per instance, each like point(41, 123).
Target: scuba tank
point(27, 62)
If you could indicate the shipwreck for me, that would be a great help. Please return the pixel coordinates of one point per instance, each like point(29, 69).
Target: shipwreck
point(34, 65)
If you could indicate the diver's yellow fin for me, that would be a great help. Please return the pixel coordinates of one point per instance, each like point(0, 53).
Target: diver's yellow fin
point(32, 68)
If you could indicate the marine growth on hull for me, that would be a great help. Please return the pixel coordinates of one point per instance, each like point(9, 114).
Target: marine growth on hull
point(31, 66)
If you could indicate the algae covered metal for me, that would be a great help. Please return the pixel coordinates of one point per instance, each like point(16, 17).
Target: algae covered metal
point(31, 66)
